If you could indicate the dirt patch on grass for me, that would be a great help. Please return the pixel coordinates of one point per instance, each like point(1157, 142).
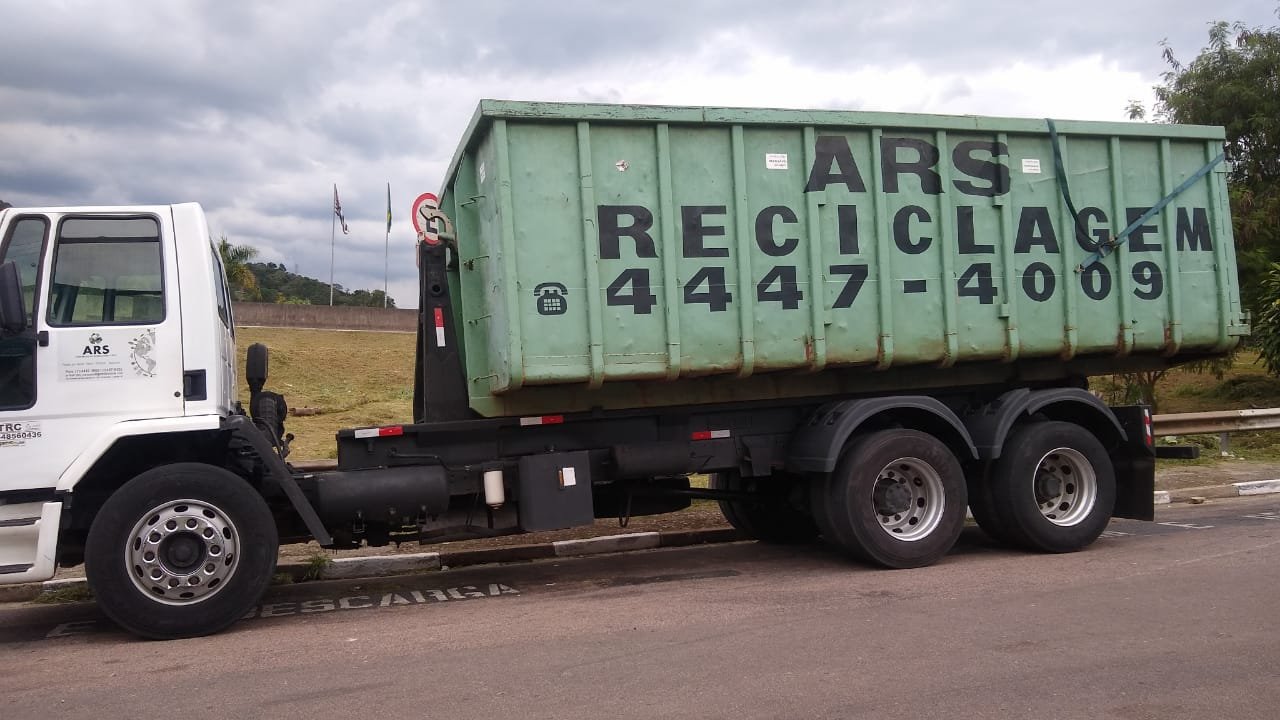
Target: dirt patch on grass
point(1246, 384)
point(1173, 476)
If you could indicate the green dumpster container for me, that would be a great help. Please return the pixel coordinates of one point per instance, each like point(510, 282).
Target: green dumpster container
point(619, 256)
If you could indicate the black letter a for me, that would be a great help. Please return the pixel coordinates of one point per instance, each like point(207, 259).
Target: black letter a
point(834, 149)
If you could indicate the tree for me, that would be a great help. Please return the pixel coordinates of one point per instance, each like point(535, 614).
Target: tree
point(235, 260)
point(4, 205)
point(1266, 322)
point(1235, 82)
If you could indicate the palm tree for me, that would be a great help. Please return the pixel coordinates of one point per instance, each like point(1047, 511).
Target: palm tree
point(235, 259)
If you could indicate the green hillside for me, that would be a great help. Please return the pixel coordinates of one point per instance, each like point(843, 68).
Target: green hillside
point(275, 284)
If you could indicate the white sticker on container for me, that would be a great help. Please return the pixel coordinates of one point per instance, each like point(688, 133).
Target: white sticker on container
point(775, 161)
point(568, 478)
point(1031, 166)
point(481, 172)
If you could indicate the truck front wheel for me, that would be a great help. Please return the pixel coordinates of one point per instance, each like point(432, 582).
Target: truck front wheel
point(180, 551)
point(1053, 488)
point(896, 498)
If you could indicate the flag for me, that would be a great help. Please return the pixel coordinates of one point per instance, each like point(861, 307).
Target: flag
point(337, 210)
point(388, 207)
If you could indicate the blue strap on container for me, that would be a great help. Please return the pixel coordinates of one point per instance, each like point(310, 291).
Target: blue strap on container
point(1061, 173)
point(1107, 247)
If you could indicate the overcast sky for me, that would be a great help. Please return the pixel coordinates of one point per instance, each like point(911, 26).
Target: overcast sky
point(255, 109)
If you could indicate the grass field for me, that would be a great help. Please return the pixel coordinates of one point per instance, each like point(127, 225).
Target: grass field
point(358, 379)
point(355, 379)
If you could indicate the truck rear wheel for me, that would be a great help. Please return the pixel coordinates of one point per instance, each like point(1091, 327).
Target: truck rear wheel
point(181, 550)
point(1053, 488)
point(896, 498)
point(982, 504)
point(773, 522)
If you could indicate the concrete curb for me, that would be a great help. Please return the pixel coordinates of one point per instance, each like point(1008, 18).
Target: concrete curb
point(606, 544)
point(347, 568)
point(1257, 487)
point(1254, 487)
point(31, 591)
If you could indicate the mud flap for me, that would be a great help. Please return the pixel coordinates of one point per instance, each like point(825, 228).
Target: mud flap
point(1135, 464)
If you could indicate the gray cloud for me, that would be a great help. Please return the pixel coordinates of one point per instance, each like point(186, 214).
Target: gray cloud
point(250, 57)
point(536, 38)
point(21, 184)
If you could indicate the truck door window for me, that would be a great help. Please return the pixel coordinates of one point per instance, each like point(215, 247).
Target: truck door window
point(17, 354)
point(107, 271)
point(220, 291)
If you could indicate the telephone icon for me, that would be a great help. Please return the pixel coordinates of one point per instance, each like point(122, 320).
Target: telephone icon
point(551, 298)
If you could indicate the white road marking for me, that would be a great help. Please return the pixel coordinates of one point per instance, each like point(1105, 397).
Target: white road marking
point(332, 604)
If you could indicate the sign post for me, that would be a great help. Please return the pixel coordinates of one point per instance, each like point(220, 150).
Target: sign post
point(426, 218)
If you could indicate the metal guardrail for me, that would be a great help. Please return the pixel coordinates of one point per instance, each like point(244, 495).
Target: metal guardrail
point(1224, 421)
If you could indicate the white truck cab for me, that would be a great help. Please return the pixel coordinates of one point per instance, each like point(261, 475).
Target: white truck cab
point(125, 332)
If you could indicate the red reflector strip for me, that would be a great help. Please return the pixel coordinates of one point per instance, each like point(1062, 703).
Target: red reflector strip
point(710, 434)
point(390, 431)
point(1146, 425)
point(542, 420)
point(439, 314)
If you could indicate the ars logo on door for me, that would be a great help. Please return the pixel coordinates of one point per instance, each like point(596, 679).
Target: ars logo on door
point(96, 346)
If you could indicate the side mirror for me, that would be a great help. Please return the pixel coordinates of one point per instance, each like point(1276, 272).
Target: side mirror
point(13, 310)
point(255, 367)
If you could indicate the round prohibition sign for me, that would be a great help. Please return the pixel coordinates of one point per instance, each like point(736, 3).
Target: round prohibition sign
point(425, 208)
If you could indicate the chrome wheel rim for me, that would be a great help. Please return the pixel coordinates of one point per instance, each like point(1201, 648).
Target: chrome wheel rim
point(182, 552)
point(908, 499)
point(1065, 486)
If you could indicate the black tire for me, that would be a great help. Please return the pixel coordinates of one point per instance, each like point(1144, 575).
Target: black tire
point(820, 509)
point(205, 583)
point(1044, 458)
point(777, 521)
point(982, 504)
point(912, 481)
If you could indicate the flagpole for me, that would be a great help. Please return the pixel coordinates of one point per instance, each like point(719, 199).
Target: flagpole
point(333, 219)
point(386, 251)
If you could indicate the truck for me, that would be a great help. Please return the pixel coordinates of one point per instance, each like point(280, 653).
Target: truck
point(855, 325)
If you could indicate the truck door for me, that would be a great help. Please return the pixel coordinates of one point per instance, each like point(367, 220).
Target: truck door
point(106, 340)
point(24, 244)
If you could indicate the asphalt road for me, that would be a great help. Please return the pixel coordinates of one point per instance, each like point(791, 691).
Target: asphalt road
point(1165, 620)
